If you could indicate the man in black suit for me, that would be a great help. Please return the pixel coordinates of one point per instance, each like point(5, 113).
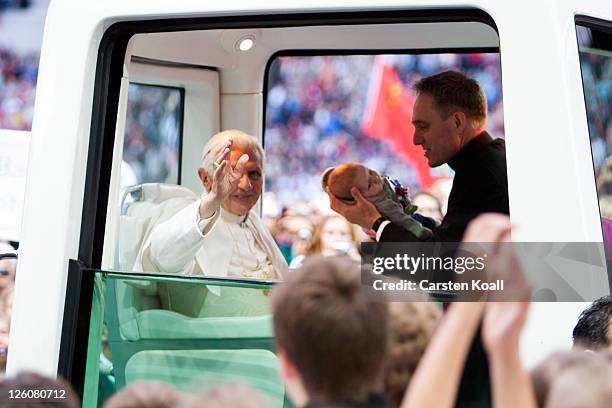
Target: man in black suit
point(449, 117)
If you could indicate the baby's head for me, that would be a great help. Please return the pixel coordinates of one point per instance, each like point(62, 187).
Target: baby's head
point(342, 178)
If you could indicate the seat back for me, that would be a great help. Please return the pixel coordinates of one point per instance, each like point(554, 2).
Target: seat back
point(231, 341)
point(140, 211)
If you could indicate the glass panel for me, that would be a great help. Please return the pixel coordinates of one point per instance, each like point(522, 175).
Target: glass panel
point(595, 52)
point(151, 150)
point(192, 333)
point(325, 110)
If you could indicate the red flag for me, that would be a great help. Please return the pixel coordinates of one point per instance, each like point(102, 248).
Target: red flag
point(388, 117)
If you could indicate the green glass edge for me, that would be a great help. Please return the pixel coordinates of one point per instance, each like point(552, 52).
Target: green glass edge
point(192, 279)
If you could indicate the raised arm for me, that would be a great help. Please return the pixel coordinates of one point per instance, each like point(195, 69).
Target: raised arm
point(436, 379)
point(502, 326)
point(175, 242)
point(511, 384)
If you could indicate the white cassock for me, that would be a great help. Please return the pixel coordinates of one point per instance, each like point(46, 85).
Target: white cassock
point(224, 245)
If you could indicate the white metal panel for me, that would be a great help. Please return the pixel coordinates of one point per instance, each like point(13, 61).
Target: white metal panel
point(54, 186)
point(243, 112)
point(243, 71)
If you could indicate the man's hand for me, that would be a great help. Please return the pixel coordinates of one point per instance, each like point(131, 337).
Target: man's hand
point(362, 212)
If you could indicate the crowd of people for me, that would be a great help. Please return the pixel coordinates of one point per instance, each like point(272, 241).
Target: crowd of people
point(18, 76)
point(152, 132)
point(7, 281)
point(370, 353)
point(315, 107)
point(301, 229)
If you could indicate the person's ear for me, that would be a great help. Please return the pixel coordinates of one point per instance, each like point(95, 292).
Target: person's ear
point(292, 379)
point(287, 369)
point(460, 121)
point(206, 179)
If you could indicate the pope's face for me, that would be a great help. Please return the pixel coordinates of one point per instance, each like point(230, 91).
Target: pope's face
point(438, 136)
point(249, 188)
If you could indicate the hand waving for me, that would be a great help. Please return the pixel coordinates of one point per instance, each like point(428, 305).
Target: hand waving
point(225, 178)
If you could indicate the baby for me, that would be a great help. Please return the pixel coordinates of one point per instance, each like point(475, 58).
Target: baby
point(388, 196)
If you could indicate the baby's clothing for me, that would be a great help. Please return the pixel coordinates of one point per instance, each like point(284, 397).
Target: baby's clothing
point(394, 204)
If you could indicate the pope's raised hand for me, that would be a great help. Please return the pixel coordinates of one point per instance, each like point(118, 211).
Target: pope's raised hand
point(225, 177)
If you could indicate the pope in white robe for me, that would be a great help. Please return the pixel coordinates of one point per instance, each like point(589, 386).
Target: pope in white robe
point(218, 234)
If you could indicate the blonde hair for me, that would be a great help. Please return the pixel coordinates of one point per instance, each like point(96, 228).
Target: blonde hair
point(589, 384)
point(143, 394)
point(315, 247)
point(566, 377)
point(239, 139)
point(232, 395)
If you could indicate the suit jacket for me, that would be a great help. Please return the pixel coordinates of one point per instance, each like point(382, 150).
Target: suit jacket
point(480, 185)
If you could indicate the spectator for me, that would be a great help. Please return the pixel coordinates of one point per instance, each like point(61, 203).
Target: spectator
point(574, 379)
point(8, 267)
point(331, 338)
point(144, 394)
point(436, 380)
point(293, 235)
point(412, 326)
point(333, 236)
point(237, 396)
point(59, 392)
point(5, 324)
point(594, 328)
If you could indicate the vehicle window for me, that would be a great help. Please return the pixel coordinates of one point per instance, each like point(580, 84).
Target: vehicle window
point(595, 51)
point(325, 110)
point(152, 145)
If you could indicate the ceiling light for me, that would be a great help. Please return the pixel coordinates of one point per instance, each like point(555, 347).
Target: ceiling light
point(245, 43)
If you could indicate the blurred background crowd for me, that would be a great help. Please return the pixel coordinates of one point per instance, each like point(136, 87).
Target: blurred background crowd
point(8, 267)
point(315, 109)
point(21, 26)
point(17, 89)
point(597, 81)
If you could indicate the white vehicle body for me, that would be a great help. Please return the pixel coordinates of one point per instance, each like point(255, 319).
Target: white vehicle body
point(550, 174)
